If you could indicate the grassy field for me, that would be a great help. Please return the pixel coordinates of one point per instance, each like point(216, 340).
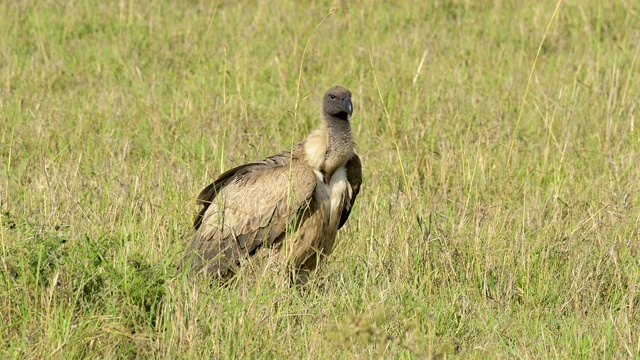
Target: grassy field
point(500, 210)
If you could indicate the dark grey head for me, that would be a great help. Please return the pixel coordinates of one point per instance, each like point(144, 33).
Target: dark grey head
point(337, 102)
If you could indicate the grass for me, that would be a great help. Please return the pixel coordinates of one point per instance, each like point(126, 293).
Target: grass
point(499, 215)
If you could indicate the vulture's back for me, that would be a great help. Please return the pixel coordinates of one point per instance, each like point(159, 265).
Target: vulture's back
point(249, 207)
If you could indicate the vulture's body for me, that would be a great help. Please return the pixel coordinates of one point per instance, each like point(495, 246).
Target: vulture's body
point(303, 195)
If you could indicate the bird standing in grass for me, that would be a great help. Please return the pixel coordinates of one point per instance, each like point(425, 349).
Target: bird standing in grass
point(290, 204)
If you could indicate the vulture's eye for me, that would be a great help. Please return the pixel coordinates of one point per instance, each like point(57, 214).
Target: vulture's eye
point(333, 97)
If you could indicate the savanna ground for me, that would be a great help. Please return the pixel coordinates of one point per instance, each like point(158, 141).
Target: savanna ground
point(499, 217)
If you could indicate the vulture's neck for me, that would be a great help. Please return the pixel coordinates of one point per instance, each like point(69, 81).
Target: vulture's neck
point(330, 147)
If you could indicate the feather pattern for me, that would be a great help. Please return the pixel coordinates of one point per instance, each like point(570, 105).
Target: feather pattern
point(251, 207)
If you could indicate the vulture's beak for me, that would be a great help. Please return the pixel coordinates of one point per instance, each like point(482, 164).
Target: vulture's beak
point(347, 105)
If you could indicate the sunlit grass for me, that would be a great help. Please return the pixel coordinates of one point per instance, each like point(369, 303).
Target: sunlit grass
point(487, 227)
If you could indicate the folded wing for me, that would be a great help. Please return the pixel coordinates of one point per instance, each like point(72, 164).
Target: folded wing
point(354, 177)
point(248, 207)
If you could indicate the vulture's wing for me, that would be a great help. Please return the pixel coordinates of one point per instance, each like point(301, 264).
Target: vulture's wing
point(249, 206)
point(354, 177)
point(209, 193)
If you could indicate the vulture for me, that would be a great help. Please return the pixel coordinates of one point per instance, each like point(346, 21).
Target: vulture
point(291, 204)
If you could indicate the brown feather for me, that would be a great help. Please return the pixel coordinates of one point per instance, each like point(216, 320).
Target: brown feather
point(252, 205)
point(354, 176)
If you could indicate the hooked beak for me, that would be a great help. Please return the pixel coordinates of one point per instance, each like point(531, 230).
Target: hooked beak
point(347, 105)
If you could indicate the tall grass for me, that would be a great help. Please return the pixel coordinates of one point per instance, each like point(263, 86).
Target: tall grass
point(498, 218)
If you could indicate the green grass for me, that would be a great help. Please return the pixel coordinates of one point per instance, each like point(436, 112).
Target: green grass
point(483, 230)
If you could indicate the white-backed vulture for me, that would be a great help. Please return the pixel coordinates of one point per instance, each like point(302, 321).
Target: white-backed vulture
point(292, 203)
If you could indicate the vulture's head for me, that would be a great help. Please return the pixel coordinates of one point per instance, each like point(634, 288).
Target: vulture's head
point(337, 102)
